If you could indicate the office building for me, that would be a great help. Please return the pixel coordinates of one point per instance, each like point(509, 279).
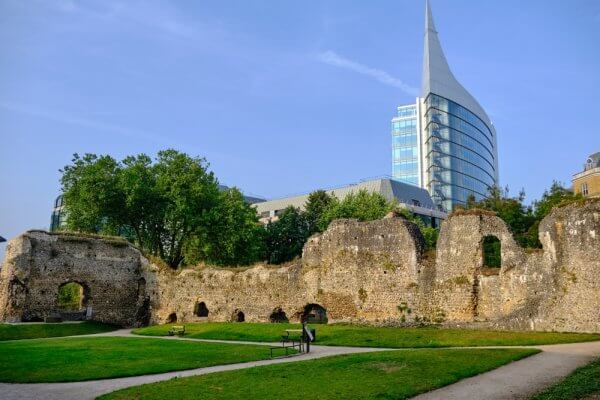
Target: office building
point(445, 141)
point(414, 198)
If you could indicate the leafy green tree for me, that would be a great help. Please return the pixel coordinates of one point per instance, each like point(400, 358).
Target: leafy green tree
point(70, 296)
point(556, 195)
point(517, 216)
point(429, 233)
point(233, 237)
point(161, 204)
point(316, 205)
point(492, 257)
point(91, 191)
point(363, 205)
point(286, 236)
point(524, 220)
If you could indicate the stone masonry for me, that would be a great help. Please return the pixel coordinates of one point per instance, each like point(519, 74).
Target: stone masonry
point(364, 272)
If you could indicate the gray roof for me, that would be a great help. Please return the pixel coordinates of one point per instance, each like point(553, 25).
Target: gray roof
point(390, 189)
point(248, 199)
point(593, 161)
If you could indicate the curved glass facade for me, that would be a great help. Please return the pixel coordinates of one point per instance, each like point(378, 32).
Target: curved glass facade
point(459, 153)
point(445, 142)
point(405, 151)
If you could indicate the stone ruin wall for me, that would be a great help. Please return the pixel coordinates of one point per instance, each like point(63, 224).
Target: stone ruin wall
point(36, 264)
point(368, 272)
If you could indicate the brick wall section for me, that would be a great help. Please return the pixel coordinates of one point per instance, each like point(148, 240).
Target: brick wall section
point(369, 272)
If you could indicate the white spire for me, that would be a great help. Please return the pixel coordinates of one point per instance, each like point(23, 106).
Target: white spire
point(437, 76)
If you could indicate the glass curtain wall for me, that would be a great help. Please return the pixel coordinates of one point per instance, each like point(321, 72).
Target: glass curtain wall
point(460, 155)
point(405, 152)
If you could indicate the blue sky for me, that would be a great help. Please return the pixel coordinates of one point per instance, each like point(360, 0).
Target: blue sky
point(282, 97)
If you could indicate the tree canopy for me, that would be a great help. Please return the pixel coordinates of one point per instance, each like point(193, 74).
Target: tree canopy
point(286, 236)
point(523, 220)
point(362, 205)
point(160, 205)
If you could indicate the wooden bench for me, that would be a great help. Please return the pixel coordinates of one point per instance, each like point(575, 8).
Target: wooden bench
point(177, 330)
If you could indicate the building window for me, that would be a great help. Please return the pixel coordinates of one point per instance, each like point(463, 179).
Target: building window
point(584, 189)
point(416, 203)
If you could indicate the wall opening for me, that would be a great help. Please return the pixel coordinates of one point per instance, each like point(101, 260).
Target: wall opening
point(200, 309)
point(278, 316)
point(172, 318)
point(72, 296)
point(314, 314)
point(492, 255)
point(238, 316)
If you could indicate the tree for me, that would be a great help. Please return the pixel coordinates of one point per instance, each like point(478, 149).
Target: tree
point(553, 197)
point(285, 237)
point(515, 214)
point(316, 205)
point(160, 205)
point(429, 233)
point(364, 206)
point(524, 220)
point(233, 237)
point(91, 192)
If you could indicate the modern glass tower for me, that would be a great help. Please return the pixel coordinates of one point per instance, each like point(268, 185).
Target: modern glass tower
point(445, 142)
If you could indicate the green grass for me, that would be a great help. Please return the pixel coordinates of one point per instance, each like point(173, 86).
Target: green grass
point(35, 330)
point(380, 375)
point(584, 382)
point(78, 359)
point(352, 335)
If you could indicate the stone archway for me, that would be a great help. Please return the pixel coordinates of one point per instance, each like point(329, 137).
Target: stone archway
point(72, 296)
point(172, 318)
point(238, 316)
point(200, 309)
point(73, 302)
point(314, 314)
point(278, 316)
point(491, 254)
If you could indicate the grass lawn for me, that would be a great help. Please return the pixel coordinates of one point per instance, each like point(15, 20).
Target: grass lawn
point(36, 330)
point(381, 375)
point(353, 335)
point(78, 359)
point(584, 382)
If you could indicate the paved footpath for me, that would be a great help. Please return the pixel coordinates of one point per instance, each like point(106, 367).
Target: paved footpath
point(518, 380)
point(92, 389)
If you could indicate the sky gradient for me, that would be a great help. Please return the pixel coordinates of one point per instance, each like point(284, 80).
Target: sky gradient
point(282, 97)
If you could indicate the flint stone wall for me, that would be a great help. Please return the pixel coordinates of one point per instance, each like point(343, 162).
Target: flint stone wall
point(368, 272)
point(37, 264)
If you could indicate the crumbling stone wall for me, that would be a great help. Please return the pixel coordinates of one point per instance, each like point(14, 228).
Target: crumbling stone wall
point(370, 272)
point(38, 263)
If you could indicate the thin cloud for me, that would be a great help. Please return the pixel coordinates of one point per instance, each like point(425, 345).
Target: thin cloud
point(331, 58)
point(158, 18)
point(78, 121)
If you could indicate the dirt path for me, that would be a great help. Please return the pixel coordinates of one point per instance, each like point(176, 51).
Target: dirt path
point(517, 380)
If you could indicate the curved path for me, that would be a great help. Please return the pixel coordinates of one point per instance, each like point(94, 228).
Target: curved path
point(520, 379)
point(517, 380)
point(92, 389)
